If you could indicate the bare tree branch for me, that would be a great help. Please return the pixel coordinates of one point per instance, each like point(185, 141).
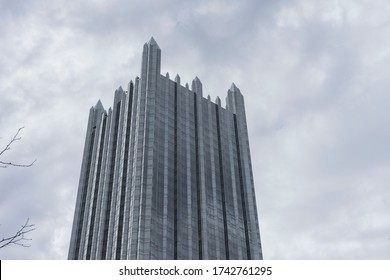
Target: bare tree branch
point(18, 238)
point(4, 164)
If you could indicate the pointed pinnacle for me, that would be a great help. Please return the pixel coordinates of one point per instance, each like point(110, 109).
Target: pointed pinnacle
point(177, 79)
point(153, 42)
point(99, 105)
point(233, 87)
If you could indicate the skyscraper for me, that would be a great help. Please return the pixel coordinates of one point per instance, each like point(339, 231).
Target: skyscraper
point(166, 174)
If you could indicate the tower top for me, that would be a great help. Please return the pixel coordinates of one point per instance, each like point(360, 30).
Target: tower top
point(153, 42)
point(99, 105)
point(177, 79)
point(234, 88)
point(120, 89)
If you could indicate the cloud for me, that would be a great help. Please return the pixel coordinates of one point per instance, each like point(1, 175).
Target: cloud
point(314, 78)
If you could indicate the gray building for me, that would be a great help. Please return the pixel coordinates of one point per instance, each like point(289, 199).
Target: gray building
point(166, 174)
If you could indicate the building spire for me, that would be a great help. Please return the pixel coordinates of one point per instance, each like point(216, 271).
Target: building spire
point(234, 87)
point(151, 63)
point(153, 42)
point(177, 79)
point(99, 105)
point(235, 100)
point(197, 86)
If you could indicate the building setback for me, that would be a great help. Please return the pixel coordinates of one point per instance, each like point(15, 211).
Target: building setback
point(166, 174)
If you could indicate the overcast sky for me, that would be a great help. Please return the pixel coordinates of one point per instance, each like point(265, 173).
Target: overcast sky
point(314, 74)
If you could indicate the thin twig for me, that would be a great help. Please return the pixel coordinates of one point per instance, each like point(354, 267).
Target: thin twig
point(18, 238)
point(15, 138)
point(4, 164)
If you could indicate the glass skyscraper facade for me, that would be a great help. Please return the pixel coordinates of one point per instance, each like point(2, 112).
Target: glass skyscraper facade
point(166, 174)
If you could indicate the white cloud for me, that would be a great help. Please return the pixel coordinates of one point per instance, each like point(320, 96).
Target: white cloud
point(314, 77)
